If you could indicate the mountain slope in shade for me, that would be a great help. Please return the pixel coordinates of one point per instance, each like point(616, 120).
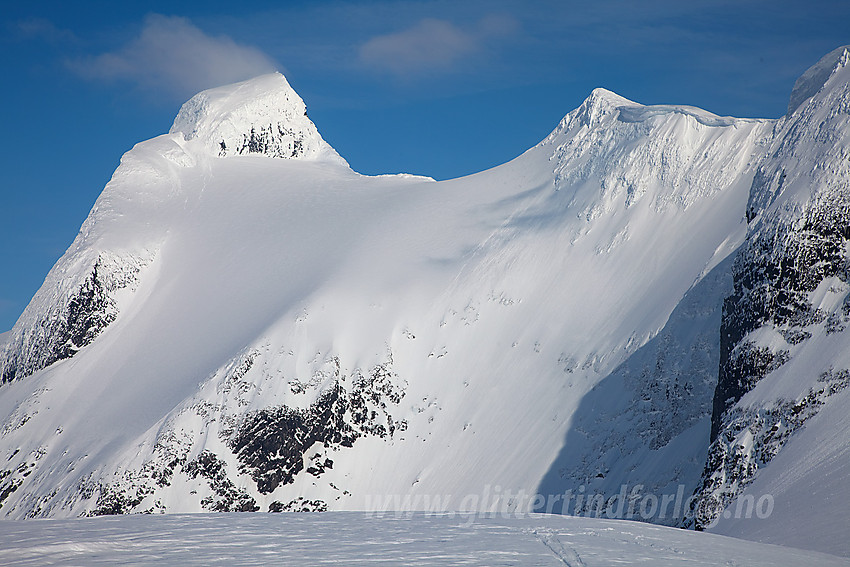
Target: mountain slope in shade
point(244, 323)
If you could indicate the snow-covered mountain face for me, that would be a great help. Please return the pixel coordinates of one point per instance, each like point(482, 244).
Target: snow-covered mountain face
point(127, 225)
point(244, 323)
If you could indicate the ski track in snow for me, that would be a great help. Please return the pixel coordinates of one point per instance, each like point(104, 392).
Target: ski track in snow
point(566, 554)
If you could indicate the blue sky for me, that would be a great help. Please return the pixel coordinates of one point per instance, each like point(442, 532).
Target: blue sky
point(440, 88)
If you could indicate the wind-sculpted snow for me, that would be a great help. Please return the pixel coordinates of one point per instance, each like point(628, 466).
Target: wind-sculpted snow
point(644, 113)
point(354, 539)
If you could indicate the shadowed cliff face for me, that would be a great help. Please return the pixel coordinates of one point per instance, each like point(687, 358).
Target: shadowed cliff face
point(791, 282)
point(799, 215)
point(777, 270)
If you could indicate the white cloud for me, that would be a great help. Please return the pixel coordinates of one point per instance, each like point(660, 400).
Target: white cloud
point(173, 55)
point(432, 45)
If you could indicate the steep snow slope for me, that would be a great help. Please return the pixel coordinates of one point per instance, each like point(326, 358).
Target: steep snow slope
point(348, 538)
point(240, 332)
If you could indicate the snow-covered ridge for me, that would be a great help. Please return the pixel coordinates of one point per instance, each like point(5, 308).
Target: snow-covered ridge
point(674, 154)
point(640, 114)
point(263, 115)
point(602, 103)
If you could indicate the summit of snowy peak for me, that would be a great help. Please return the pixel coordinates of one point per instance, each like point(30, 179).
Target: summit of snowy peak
point(600, 103)
point(604, 96)
point(604, 106)
point(816, 76)
point(620, 152)
point(263, 115)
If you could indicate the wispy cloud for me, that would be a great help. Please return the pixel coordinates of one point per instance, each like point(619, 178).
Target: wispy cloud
point(172, 55)
point(433, 45)
point(41, 29)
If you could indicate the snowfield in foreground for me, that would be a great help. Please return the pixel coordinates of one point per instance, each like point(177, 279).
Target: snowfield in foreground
point(351, 538)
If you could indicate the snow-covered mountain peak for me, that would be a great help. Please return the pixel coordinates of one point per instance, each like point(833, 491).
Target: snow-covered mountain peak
point(263, 115)
point(611, 152)
point(603, 108)
point(814, 79)
point(598, 105)
point(602, 98)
